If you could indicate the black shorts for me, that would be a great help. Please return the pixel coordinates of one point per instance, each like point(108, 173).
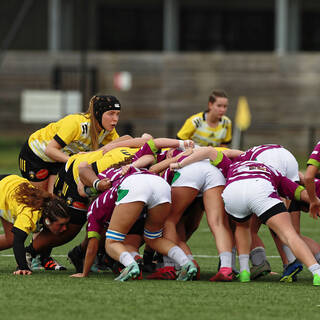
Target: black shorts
point(34, 168)
point(263, 218)
point(66, 188)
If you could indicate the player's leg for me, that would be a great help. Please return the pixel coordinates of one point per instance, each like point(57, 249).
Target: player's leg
point(219, 225)
point(153, 237)
point(282, 226)
point(123, 218)
point(6, 239)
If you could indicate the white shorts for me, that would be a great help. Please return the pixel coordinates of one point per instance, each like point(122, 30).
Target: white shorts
point(148, 188)
point(282, 160)
point(251, 196)
point(200, 175)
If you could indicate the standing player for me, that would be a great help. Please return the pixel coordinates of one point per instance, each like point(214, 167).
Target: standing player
point(211, 127)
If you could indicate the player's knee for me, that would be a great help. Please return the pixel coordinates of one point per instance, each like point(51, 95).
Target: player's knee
point(113, 236)
point(152, 235)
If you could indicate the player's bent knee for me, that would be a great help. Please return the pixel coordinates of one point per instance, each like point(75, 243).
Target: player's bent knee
point(114, 236)
point(152, 235)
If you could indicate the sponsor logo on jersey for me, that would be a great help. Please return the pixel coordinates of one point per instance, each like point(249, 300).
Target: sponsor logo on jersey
point(42, 174)
point(79, 205)
point(31, 174)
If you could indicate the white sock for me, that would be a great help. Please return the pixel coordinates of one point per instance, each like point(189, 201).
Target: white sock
point(177, 254)
point(168, 262)
point(244, 262)
point(290, 256)
point(315, 269)
point(225, 259)
point(126, 258)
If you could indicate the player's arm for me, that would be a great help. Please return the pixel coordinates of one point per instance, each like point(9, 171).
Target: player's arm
point(232, 153)
point(311, 189)
point(19, 237)
point(197, 155)
point(125, 141)
point(173, 143)
point(89, 178)
point(53, 151)
point(92, 250)
point(164, 164)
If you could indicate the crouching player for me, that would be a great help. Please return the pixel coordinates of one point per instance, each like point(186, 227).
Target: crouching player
point(253, 187)
point(129, 191)
point(25, 209)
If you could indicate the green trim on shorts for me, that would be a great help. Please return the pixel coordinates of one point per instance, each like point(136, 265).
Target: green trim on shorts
point(122, 193)
point(314, 163)
point(297, 193)
point(218, 159)
point(176, 176)
point(94, 234)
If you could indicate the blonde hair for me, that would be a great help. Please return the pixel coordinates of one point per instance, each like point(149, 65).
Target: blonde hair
point(94, 130)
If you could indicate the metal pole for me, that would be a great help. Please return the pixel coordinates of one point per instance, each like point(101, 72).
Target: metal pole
point(294, 25)
point(54, 25)
point(281, 27)
point(171, 25)
point(84, 51)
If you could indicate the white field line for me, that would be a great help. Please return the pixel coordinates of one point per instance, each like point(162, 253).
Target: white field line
point(195, 255)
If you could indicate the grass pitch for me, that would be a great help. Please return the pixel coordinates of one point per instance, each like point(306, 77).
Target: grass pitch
point(54, 295)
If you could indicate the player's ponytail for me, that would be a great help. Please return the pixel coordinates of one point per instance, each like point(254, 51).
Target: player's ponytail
point(51, 206)
point(93, 124)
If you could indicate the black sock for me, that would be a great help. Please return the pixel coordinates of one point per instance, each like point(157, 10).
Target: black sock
point(148, 256)
point(45, 254)
point(30, 249)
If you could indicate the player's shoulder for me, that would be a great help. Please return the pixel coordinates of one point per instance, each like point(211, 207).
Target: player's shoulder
point(75, 118)
point(199, 115)
point(198, 118)
point(226, 119)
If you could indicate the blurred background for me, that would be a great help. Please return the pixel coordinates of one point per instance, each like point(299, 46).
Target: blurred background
point(162, 59)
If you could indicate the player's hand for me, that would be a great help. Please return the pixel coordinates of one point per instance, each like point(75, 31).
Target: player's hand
point(188, 144)
point(125, 169)
point(315, 209)
point(186, 153)
point(22, 272)
point(175, 166)
point(104, 184)
point(80, 188)
point(78, 275)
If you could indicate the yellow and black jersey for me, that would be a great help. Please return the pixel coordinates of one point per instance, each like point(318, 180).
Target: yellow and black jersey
point(10, 210)
point(197, 129)
point(71, 132)
point(98, 160)
point(112, 157)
